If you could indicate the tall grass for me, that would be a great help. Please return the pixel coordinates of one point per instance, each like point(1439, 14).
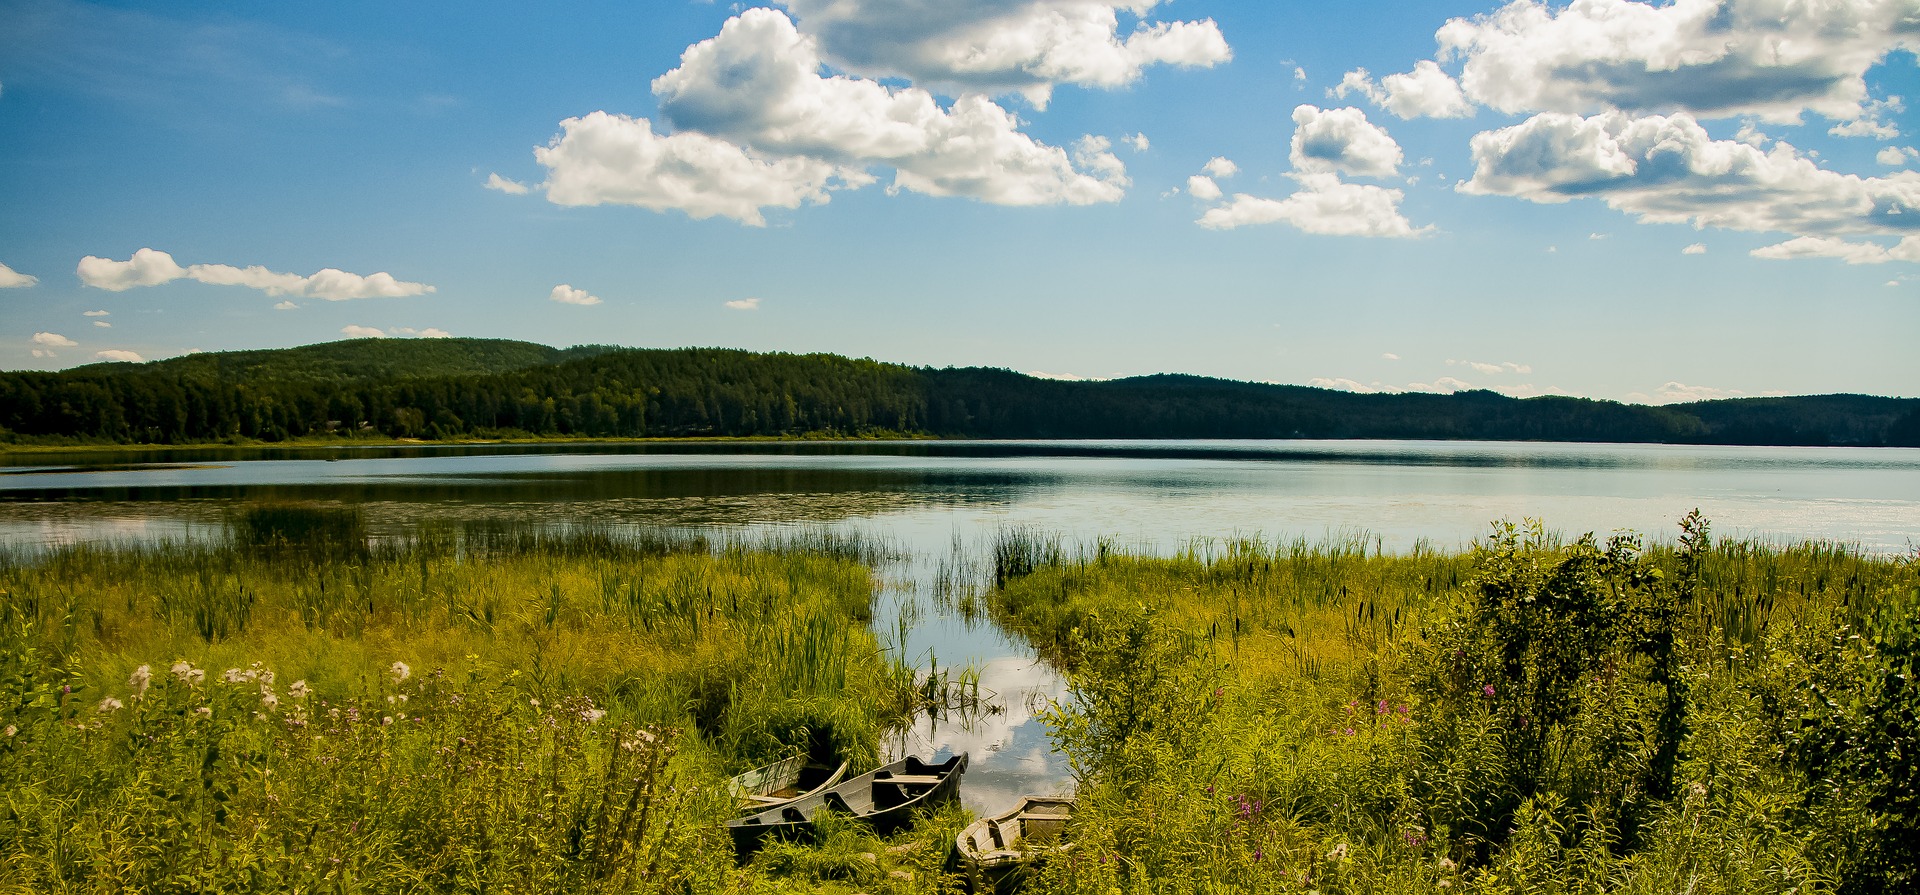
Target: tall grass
point(1293, 716)
point(479, 707)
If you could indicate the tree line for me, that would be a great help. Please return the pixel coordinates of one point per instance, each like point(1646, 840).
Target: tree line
point(472, 388)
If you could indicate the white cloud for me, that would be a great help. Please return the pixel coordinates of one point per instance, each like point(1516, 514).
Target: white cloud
point(1390, 356)
point(999, 46)
point(1851, 252)
point(744, 304)
point(757, 91)
point(430, 332)
point(1895, 156)
point(52, 340)
point(1681, 393)
point(1342, 140)
point(149, 267)
point(119, 354)
point(510, 187)
point(362, 332)
point(1220, 166)
point(1698, 248)
point(1425, 92)
point(1341, 384)
point(1299, 74)
point(1444, 385)
point(567, 295)
point(13, 279)
point(606, 159)
point(1718, 58)
point(1322, 205)
point(102, 324)
point(95, 314)
point(1873, 121)
point(1203, 188)
point(286, 305)
point(1597, 236)
point(1062, 377)
point(1665, 169)
point(1139, 142)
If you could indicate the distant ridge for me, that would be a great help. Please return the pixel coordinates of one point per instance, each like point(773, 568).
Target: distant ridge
point(492, 388)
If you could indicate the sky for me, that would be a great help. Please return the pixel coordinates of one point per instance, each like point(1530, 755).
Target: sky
point(1644, 202)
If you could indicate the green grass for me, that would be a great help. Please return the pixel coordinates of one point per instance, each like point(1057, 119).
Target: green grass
point(1539, 715)
point(491, 708)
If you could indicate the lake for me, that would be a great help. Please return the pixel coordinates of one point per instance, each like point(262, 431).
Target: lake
point(934, 499)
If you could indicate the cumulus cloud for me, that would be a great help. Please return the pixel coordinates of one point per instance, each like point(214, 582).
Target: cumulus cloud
point(1665, 169)
point(149, 267)
point(431, 332)
point(1220, 166)
point(1873, 120)
point(1342, 141)
point(607, 159)
point(285, 305)
point(1698, 248)
point(1000, 46)
point(13, 279)
point(1716, 58)
point(1851, 252)
point(1491, 369)
point(1322, 205)
point(567, 295)
point(1139, 142)
point(102, 324)
point(510, 187)
point(744, 304)
point(1681, 393)
point(95, 314)
point(362, 332)
point(1202, 187)
point(52, 340)
point(1896, 156)
point(119, 354)
point(756, 123)
point(1425, 92)
point(758, 84)
point(1343, 384)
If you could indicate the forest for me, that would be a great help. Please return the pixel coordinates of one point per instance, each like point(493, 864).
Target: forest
point(448, 389)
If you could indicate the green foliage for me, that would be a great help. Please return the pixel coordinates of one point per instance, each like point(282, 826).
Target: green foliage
point(1538, 716)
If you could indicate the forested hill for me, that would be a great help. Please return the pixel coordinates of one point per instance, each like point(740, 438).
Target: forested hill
point(468, 388)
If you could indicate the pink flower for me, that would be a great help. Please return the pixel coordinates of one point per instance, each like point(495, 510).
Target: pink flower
point(1488, 689)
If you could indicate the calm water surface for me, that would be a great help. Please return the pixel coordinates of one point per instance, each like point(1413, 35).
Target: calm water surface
point(929, 496)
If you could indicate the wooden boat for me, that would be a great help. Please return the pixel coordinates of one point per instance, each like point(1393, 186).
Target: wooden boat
point(783, 781)
point(996, 854)
point(884, 799)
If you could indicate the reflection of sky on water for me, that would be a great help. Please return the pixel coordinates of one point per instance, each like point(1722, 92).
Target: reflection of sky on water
point(927, 497)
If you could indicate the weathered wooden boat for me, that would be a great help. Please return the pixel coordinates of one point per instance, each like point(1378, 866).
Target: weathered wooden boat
point(762, 789)
point(997, 854)
point(884, 799)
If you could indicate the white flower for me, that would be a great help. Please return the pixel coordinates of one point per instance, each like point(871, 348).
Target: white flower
point(1339, 853)
point(11, 730)
point(181, 669)
point(140, 680)
point(386, 720)
point(534, 702)
point(110, 704)
point(268, 699)
point(236, 676)
point(593, 716)
point(1446, 864)
point(196, 676)
point(204, 713)
point(298, 690)
point(400, 671)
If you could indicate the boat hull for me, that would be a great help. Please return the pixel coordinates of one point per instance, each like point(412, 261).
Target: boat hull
point(884, 799)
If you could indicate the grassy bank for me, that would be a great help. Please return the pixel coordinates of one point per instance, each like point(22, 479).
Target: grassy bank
point(1537, 716)
point(478, 708)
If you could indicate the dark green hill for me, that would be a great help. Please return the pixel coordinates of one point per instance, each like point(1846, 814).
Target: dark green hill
point(352, 359)
point(462, 388)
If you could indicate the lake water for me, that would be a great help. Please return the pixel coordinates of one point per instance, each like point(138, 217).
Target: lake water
point(928, 497)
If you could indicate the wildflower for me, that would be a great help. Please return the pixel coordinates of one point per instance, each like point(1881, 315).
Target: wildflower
point(1698, 789)
point(1382, 709)
point(1349, 731)
point(237, 676)
point(386, 720)
point(1257, 853)
point(140, 680)
point(204, 713)
point(1447, 864)
point(593, 716)
point(400, 671)
point(267, 698)
point(196, 676)
point(110, 704)
point(534, 702)
point(1488, 689)
point(1339, 853)
point(298, 690)
point(10, 731)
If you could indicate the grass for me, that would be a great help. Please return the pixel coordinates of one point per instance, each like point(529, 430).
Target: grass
point(474, 708)
point(1538, 715)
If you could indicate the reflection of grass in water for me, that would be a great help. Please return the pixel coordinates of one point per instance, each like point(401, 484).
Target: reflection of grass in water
point(475, 707)
point(1265, 717)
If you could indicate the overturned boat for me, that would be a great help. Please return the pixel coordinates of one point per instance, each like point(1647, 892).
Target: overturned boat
point(883, 799)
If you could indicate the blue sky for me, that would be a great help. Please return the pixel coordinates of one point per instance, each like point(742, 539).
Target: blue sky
point(1623, 200)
